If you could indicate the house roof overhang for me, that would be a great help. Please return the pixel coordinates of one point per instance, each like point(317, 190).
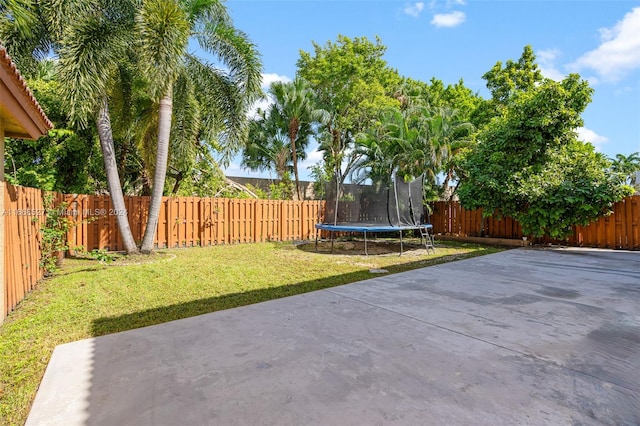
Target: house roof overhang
point(19, 110)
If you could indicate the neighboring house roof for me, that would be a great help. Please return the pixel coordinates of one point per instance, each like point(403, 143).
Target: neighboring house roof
point(21, 114)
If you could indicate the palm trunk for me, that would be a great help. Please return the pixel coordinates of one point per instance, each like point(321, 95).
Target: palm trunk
point(105, 135)
point(164, 131)
point(295, 168)
point(293, 134)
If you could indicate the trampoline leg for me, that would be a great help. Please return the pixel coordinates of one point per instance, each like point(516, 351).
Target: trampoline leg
point(316, 240)
point(332, 242)
point(401, 248)
point(366, 253)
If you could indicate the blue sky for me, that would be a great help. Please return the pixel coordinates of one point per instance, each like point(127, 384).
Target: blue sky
point(456, 39)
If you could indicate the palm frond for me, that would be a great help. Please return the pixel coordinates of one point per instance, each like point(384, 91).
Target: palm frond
point(163, 33)
point(235, 50)
point(88, 59)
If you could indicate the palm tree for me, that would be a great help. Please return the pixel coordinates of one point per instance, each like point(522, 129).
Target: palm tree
point(627, 165)
point(268, 147)
point(449, 138)
point(164, 28)
point(18, 14)
point(413, 140)
point(90, 51)
point(399, 141)
point(295, 112)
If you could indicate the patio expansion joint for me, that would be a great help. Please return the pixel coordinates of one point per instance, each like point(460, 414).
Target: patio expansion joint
point(450, 330)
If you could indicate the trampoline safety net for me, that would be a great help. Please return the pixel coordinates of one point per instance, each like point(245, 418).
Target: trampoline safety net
point(397, 204)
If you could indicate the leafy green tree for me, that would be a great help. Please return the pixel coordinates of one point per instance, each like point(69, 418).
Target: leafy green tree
point(528, 163)
point(67, 159)
point(514, 77)
point(504, 82)
point(353, 83)
point(205, 179)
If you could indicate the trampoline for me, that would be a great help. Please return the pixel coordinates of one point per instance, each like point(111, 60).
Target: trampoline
point(376, 208)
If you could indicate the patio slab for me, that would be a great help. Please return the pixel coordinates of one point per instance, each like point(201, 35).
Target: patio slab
point(526, 336)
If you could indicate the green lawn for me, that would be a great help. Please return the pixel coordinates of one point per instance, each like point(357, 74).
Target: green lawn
point(87, 298)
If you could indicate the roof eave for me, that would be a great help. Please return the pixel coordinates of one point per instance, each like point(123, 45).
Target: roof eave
point(20, 102)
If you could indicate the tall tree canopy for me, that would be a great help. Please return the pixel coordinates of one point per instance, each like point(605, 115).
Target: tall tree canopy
point(423, 135)
point(529, 164)
point(353, 83)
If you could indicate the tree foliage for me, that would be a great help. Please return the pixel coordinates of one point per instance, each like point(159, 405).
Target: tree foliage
point(529, 164)
point(424, 135)
point(353, 83)
point(294, 113)
point(628, 166)
point(68, 159)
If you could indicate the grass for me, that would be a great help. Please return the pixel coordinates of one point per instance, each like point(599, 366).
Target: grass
point(87, 298)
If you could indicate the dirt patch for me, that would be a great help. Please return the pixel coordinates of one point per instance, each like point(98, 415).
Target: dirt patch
point(374, 248)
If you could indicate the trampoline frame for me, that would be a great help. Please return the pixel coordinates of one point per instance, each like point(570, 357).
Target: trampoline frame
point(424, 229)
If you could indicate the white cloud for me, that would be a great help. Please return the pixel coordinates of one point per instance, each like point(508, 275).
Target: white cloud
point(619, 52)
point(269, 78)
point(546, 62)
point(414, 9)
point(313, 158)
point(448, 20)
point(452, 3)
point(588, 135)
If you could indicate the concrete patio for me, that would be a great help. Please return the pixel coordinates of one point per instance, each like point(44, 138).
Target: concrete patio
point(522, 337)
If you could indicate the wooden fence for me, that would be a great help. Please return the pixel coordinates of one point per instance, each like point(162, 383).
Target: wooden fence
point(620, 230)
point(190, 221)
point(23, 217)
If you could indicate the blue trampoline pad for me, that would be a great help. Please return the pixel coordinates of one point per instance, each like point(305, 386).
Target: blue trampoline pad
point(363, 227)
